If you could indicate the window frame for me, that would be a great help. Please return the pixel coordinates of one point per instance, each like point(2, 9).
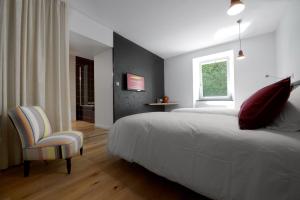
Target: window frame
point(215, 98)
point(211, 56)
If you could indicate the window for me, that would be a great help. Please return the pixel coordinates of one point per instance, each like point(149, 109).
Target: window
point(213, 77)
point(214, 80)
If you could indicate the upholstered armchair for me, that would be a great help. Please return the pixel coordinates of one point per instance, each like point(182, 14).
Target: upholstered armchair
point(38, 140)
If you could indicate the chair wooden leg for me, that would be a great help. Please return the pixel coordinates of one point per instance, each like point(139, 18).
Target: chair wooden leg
point(26, 168)
point(68, 160)
point(81, 151)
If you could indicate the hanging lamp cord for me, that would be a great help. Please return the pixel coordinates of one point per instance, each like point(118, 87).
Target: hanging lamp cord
point(239, 21)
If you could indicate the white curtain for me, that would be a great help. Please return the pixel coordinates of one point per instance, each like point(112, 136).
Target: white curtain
point(34, 66)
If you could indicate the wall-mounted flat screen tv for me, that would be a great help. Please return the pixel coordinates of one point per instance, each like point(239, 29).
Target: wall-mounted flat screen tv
point(135, 82)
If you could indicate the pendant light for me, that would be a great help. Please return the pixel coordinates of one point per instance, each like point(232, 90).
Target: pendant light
point(241, 53)
point(236, 7)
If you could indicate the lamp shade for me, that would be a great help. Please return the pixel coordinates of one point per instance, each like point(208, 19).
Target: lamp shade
point(236, 7)
point(241, 55)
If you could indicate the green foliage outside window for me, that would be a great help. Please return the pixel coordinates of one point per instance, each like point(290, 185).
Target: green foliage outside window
point(214, 79)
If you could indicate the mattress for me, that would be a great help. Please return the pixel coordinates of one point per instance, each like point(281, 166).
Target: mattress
point(208, 153)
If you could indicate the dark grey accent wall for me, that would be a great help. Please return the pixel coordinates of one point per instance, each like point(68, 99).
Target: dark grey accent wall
point(131, 58)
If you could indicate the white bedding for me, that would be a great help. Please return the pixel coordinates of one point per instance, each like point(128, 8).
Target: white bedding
point(209, 110)
point(208, 153)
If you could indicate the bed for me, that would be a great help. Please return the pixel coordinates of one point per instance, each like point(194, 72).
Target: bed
point(208, 153)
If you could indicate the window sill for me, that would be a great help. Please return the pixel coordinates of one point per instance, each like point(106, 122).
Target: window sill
point(215, 103)
point(201, 100)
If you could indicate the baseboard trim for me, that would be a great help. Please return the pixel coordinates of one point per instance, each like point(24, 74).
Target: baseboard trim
point(103, 126)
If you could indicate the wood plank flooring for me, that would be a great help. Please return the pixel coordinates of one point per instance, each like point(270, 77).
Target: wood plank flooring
point(95, 175)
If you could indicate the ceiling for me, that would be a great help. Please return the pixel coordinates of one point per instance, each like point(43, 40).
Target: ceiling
point(173, 27)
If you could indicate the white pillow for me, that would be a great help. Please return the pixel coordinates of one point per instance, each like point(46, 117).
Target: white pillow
point(289, 118)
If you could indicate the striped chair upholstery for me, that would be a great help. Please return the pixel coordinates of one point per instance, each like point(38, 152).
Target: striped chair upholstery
point(38, 140)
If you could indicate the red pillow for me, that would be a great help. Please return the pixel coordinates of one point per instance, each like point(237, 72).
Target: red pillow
point(265, 105)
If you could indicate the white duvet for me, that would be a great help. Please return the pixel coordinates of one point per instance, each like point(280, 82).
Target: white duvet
point(208, 153)
point(209, 110)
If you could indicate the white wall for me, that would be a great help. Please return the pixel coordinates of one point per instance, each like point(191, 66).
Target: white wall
point(288, 42)
point(72, 69)
point(249, 73)
point(103, 77)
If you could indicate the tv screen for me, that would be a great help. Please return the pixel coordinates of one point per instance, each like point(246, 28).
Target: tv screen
point(135, 83)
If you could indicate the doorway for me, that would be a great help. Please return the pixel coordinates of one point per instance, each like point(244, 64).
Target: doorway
point(85, 95)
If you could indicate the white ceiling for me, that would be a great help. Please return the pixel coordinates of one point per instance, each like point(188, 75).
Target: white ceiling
point(173, 27)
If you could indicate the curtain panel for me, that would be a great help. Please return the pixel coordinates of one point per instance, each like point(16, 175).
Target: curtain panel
point(34, 66)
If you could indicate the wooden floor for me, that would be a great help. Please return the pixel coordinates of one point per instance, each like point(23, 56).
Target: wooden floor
point(95, 175)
